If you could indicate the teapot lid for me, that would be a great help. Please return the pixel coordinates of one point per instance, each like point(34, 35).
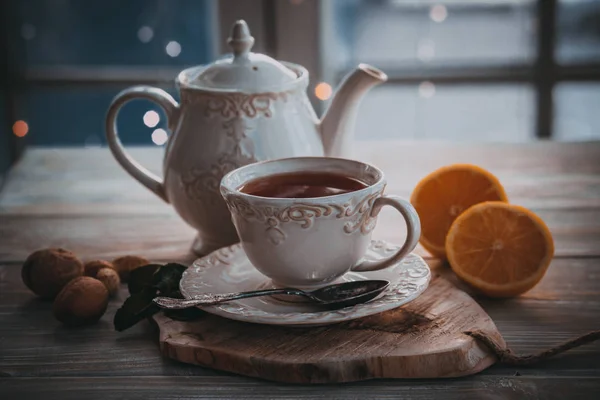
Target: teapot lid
point(244, 71)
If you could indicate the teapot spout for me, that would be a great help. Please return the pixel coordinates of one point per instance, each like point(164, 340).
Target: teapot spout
point(337, 124)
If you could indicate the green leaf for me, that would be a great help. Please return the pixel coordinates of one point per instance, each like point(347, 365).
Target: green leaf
point(137, 307)
point(145, 283)
point(141, 277)
point(166, 278)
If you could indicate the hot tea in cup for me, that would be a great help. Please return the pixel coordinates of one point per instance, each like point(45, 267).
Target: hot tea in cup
point(306, 221)
point(302, 185)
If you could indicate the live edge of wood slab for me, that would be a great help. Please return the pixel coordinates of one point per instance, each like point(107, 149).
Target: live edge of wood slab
point(423, 339)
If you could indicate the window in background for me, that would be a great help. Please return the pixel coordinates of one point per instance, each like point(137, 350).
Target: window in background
point(397, 34)
point(577, 107)
point(483, 70)
point(578, 43)
point(476, 70)
point(578, 31)
point(447, 113)
point(410, 39)
point(75, 56)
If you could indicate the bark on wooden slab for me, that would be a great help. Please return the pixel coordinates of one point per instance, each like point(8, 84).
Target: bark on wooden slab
point(423, 339)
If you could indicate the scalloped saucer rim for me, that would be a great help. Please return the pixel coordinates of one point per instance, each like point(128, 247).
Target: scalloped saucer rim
point(229, 270)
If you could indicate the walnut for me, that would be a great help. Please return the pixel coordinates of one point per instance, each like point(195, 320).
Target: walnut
point(91, 268)
point(81, 302)
point(124, 265)
point(110, 278)
point(46, 271)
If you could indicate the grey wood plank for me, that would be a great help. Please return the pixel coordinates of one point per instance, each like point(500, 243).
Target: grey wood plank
point(576, 233)
point(35, 344)
point(83, 200)
point(156, 237)
point(160, 387)
point(118, 194)
point(539, 157)
point(567, 280)
point(72, 181)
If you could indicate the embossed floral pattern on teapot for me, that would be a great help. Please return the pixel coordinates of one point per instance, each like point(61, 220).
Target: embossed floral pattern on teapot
point(244, 108)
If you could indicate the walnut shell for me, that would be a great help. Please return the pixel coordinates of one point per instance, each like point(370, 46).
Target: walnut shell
point(47, 271)
point(110, 278)
point(91, 268)
point(124, 265)
point(81, 302)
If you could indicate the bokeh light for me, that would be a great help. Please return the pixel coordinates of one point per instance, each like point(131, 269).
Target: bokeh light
point(426, 89)
point(151, 119)
point(20, 128)
point(159, 137)
point(323, 91)
point(438, 13)
point(145, 34)
point(173, 48)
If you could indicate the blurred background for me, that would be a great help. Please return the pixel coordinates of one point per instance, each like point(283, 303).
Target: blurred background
point(460, 70)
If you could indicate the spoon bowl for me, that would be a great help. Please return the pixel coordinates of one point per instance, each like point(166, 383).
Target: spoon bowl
point(333, 296)
point(349, 293)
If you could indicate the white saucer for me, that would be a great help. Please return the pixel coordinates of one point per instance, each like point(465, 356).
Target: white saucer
point(228, 270)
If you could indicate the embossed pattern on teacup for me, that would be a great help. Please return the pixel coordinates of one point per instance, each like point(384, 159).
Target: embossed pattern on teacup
point(305, 214)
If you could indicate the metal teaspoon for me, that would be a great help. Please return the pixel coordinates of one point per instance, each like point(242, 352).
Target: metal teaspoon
point(338, 295)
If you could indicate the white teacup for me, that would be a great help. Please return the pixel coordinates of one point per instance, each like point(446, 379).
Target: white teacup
point(309, 242)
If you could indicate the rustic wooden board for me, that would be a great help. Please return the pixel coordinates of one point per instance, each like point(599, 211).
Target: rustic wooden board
point(423, 339)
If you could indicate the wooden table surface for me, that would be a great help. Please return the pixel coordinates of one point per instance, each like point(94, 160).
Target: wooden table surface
point(81, 200)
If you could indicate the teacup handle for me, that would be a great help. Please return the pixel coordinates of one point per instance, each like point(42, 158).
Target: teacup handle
point(413, 225)
point(136, 170)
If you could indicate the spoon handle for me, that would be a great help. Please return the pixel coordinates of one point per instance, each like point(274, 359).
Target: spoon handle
point(212, 299)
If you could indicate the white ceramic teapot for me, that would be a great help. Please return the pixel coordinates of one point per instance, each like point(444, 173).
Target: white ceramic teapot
point(236, 111)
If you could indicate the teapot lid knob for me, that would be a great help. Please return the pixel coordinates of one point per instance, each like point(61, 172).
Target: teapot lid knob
point(240, 39)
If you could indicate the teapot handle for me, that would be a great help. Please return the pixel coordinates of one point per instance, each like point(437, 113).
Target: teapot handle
point(136, 170)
